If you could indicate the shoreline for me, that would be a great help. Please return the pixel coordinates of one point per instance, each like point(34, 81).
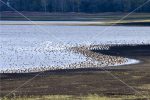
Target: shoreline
point(85, 74)
point(138, 23)
point(107, 19)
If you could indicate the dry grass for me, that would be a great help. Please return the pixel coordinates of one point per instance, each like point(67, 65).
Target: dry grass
point(69, 97)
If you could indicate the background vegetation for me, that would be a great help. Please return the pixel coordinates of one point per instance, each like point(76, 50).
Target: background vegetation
point(87, 6)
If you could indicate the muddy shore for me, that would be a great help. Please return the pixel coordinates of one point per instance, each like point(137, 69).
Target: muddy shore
point(87, 81)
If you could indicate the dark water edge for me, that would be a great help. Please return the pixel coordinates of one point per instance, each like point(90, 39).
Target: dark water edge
point(134, 24)
point(131, 51)
point(56, 72)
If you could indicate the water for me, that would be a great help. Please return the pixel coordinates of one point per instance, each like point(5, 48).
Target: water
point(31, 46)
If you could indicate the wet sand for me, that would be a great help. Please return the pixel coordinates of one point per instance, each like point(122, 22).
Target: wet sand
point(87, 81)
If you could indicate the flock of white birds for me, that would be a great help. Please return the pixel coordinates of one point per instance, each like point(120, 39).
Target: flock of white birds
point(26, 48)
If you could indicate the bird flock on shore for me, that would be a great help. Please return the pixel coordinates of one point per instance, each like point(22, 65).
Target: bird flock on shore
point(86, 58)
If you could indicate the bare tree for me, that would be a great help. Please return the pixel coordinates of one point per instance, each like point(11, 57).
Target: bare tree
point(8, 2)
point(62, 5)
point(78, 1)
point(44, 3)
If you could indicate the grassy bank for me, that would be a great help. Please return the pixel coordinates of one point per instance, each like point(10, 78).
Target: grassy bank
point(69, 97)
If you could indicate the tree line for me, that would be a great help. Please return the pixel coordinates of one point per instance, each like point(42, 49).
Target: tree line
point(86, 6)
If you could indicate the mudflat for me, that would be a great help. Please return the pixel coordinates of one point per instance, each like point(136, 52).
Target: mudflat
point(107, 81)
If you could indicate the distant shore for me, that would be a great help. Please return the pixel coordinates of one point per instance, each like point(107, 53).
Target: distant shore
point(95, 19)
